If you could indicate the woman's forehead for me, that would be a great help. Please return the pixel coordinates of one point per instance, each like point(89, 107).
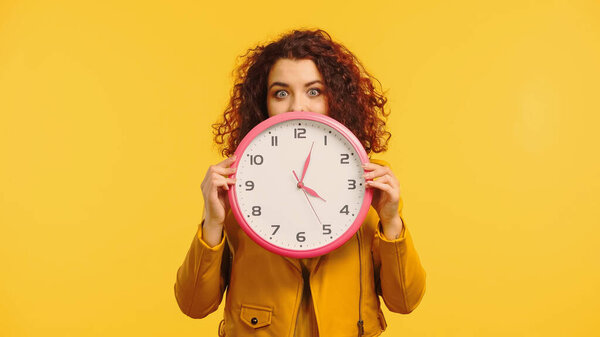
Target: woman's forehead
point(291, 71)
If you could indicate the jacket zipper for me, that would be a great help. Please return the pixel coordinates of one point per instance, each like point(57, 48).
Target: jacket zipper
point(299, 302)
point(360, 323)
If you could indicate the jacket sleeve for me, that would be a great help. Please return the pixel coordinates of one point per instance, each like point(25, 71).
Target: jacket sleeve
point(202, 278)
point(400, 276)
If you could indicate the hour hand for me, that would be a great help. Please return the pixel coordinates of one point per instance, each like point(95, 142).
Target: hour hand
point(307, 189)
point(312, 192)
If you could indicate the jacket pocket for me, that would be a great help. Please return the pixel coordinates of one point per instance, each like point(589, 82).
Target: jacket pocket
point(255, 316)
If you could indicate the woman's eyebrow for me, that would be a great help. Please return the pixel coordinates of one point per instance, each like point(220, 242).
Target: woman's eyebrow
point(287, 85)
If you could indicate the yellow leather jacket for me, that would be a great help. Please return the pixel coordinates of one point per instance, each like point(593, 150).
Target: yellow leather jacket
point(265, 289)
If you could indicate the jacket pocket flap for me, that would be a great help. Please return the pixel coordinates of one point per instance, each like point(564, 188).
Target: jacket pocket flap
point(255, 316)
point(382, 321)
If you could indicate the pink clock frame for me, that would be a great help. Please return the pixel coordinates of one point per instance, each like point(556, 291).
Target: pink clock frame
point(300, 115)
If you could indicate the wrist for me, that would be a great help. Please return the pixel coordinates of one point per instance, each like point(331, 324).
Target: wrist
point(212, 233)
point(392, 227)
point(212, 224)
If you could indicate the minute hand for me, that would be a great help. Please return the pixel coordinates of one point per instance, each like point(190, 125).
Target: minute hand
point(306, 162)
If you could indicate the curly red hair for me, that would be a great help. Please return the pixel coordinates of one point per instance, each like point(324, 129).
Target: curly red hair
point(353, 99)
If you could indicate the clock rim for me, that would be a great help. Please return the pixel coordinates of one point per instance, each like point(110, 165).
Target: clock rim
point(362, 213)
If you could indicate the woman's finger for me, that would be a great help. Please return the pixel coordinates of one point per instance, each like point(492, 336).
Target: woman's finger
point(214, 181)
point(377, 172)
point(380, 186)
point(386, 179)
point(220, 181)
point(225, 171)
point(370, 166)
point(227, 162)
point(389, 179)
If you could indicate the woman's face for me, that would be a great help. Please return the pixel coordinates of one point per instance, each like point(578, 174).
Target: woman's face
point(295, 85)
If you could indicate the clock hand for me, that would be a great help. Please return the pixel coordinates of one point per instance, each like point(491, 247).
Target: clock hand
point(301, 186)
point(306, 162)
point(311, 206)
point(306, 188)
point(312, 192)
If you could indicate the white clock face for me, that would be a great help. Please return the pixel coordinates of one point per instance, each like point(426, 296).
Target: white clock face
point(273, 204)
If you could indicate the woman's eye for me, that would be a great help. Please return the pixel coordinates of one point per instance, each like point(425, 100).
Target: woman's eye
point(280, 94)
point(314, 92)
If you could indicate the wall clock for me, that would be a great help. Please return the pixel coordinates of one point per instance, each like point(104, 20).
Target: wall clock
point(300, 190)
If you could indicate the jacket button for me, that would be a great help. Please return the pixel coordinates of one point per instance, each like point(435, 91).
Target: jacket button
point(254, 320)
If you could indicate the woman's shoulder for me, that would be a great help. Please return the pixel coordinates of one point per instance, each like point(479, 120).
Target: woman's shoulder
point(379, 161)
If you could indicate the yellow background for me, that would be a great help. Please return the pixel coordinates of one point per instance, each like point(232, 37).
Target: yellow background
point(105, 113)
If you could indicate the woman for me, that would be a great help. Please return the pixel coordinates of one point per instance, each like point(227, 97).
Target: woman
point(332, 295)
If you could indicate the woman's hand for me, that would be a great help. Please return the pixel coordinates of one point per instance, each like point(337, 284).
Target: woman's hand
point(386, 198)
point(216, 203)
